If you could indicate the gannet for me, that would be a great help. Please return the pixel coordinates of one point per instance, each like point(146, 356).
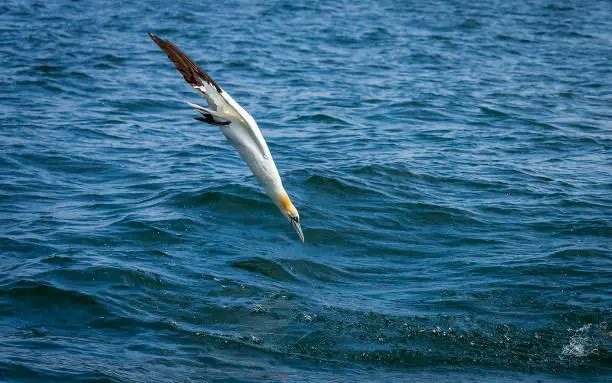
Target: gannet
point(238, 127)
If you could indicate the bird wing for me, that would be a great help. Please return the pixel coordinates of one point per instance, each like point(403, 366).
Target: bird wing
point(192, 73)
point(211, 117)
point(218, 100)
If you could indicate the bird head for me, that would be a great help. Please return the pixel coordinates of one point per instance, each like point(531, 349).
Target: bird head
point(290, 212)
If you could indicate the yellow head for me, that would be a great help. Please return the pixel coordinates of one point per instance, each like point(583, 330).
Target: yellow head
point(290, 212)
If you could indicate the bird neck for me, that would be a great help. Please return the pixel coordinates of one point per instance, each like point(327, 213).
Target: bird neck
point(285, 202)
point(281, 199)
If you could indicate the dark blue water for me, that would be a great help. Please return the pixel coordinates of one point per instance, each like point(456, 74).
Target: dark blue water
point(451, 162)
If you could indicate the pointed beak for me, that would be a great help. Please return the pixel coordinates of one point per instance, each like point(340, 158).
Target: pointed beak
point(298, 228)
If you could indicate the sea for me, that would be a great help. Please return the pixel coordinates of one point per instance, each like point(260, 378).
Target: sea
point(451, 162)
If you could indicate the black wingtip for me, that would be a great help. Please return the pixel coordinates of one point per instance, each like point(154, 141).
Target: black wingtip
point(191, 72)
point(154, 38)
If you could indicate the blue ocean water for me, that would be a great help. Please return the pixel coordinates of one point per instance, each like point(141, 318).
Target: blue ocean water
point(451, 162)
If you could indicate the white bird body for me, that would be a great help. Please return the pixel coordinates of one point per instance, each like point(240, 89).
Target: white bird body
point(254, 150)
point(238, 127)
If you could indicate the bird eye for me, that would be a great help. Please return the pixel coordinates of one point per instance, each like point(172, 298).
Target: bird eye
point(296, 219)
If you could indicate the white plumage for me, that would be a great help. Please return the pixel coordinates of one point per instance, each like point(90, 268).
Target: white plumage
point(239, 128)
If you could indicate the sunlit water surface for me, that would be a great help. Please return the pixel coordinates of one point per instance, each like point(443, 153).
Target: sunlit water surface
point(450, 161)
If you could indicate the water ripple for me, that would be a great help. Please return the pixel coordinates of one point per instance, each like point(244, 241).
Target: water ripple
point(450, 162)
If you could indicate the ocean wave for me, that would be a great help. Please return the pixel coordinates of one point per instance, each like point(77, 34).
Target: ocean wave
point(450, 163)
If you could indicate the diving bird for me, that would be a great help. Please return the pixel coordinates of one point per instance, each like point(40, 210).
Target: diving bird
point(238, 127)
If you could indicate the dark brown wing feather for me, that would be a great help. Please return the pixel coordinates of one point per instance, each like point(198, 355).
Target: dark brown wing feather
point(192, 73)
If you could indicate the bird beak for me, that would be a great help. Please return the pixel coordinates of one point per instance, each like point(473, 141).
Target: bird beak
point(298, 228)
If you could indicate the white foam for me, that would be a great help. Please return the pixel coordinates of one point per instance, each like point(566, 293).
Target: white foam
point(580, 344)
